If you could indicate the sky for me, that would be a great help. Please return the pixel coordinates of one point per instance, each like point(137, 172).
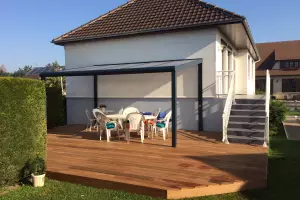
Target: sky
point(28, 26)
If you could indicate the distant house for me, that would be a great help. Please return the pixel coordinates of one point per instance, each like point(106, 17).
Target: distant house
point(283, 61)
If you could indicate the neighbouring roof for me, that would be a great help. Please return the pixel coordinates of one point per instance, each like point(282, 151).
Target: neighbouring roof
point(276, 51)
point(142, 16)
point(278, 72)
point(35, 72)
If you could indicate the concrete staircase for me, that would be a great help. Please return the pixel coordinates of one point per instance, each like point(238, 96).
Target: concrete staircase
point(247, 122)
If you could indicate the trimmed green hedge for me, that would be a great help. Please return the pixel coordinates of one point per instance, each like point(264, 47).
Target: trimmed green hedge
point(22, 126)
point(55, 107)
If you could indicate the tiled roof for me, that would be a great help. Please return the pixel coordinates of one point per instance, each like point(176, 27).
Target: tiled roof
point(278, 72)
point(141, 16)
point(287, 50)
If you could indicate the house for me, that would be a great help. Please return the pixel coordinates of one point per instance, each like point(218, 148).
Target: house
point(211, 49)
point(283, 61)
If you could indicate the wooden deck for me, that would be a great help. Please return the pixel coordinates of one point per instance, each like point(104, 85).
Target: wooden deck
point(200, 165)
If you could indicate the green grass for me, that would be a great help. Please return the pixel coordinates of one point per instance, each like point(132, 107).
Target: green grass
point(283, 182)
point(294, 113)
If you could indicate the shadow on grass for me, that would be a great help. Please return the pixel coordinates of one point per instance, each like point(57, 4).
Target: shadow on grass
point(283, 171)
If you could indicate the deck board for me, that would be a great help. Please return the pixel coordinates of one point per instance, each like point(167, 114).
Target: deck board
point(200, 165)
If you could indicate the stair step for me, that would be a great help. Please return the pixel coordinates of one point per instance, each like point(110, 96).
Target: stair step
point(249, 106)
point(247, 125)
point(249, 119)
point(248, 112)
point(250, 101)
point(246, 140)
point(245, 132)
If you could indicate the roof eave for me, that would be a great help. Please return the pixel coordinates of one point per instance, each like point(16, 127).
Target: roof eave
point(204, 25)
point(246, 26)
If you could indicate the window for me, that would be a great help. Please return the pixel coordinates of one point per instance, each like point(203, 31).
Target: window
point(289, 85)
point(289, 64)
point(286, 65)
point(260, 84)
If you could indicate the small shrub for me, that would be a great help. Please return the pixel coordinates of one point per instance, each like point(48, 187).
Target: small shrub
point(260, 92)
point(37, 166)
point(278, 111)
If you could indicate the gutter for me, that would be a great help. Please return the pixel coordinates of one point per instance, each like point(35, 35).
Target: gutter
point(246, 26)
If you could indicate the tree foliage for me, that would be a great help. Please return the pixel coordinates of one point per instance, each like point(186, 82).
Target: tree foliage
point(21, 72)
point(54, 81)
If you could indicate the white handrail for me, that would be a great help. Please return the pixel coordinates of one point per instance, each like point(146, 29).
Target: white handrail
point(227, 108)
point(267, 109)
point(221, 78)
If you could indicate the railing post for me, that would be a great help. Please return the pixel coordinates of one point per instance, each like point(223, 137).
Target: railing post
point(267, 111)
point(227, 108)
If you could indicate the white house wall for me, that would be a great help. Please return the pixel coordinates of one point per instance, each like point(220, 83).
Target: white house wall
point(179, 45)
point(241, 72)
point(277, 84)
point(148, 91)
point(276, 65)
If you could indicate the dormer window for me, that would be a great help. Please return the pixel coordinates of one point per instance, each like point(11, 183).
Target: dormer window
point(290, 64)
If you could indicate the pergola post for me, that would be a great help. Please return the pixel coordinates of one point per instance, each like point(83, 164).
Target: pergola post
point(95, 91)
point(200, 98)
point(174, 108)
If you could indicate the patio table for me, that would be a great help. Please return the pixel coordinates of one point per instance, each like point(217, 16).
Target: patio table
point(120, 116)
point(117, 117)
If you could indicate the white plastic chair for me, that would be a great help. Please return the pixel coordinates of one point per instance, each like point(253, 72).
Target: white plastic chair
point(120, 121)
point(129, 110)
point(103, 122)
point(151, 125)
point(91, 121)
point(135, 123)
point(165, 129)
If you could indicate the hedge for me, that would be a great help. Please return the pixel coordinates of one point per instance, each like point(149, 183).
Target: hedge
point(55, 107)
point(278, 112)
point(22, 126)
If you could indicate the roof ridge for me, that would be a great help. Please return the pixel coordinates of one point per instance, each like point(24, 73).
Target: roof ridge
point(283, 41)
point(96, 19)
point(222, 9)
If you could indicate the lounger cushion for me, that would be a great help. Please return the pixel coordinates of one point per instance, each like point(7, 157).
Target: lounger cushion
point(161, 125)
point(147, 113)
point(110, 125)
point(149, 122)
point(161, 115)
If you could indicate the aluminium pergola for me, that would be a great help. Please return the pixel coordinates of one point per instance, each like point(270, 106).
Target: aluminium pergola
point(171, 66)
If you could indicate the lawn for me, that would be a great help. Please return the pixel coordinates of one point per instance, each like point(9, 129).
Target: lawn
point(294, 113)
point(284, 182)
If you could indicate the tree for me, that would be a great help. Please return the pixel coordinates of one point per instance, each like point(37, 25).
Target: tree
point(55, 81)
point(22, 71)
point(2, 68)
point(3, 71)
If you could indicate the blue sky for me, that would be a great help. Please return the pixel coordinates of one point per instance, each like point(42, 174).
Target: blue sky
point(27, 27)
